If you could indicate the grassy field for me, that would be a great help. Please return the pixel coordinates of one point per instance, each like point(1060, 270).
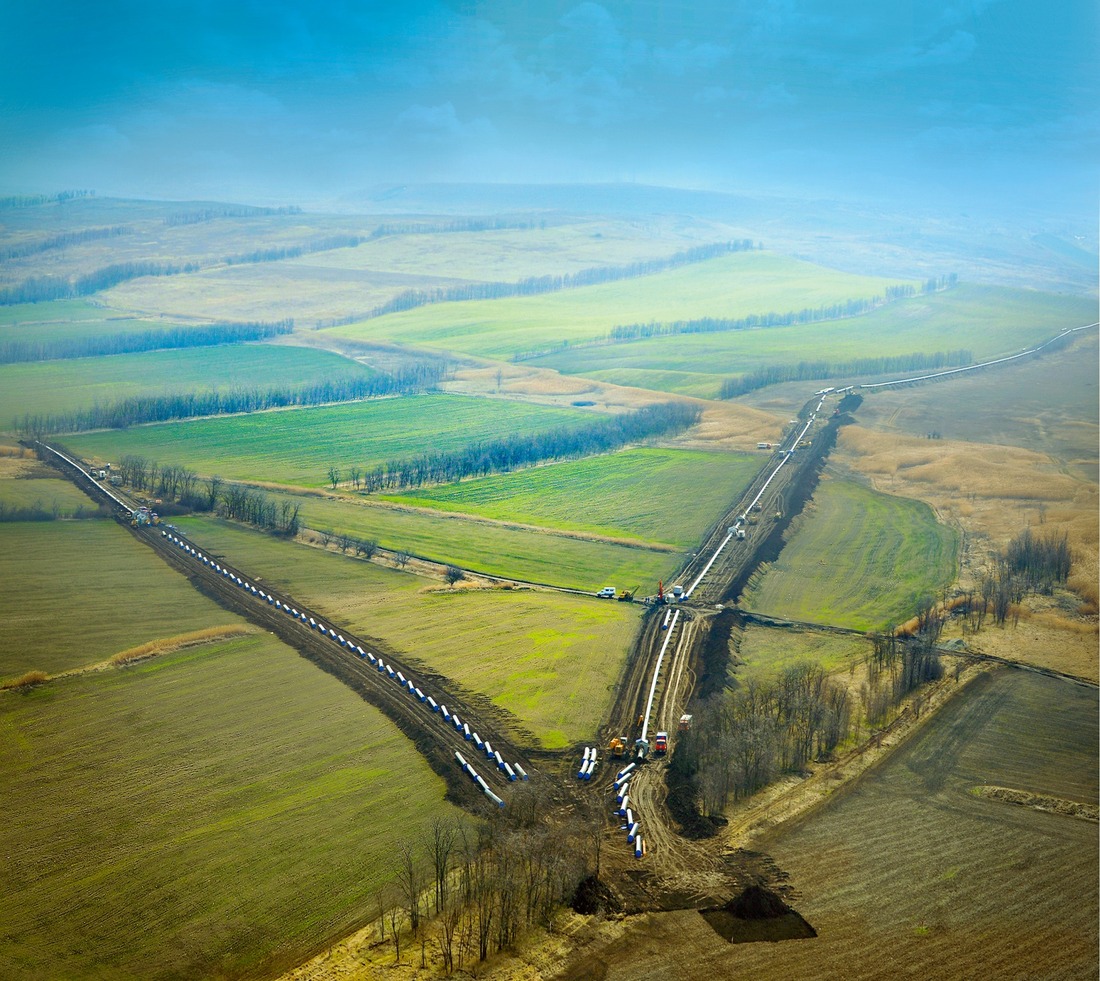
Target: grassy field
point(218, 812)
point(986, 320)
point(492, 548)
point(25, 483)
point(656, 495)
point(297, 446)
point(76, 592)
point(909, 874)
point(1049, 405)
point(547, 658)
point(55, 386)
point(857, 558)
point(732, 286)
point(765, 651)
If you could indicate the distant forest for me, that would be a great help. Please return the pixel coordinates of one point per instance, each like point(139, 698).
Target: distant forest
point(154, 339)
point(63, 241)
point(185, 405)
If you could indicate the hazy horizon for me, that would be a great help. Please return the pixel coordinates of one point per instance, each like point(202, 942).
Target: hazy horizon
point(989, 103)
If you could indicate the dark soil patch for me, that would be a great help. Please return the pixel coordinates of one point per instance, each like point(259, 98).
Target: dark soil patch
point(757, 914)
point(595, 896)
point(582, 402)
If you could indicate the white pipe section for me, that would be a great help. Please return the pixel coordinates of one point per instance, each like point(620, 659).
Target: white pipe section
point(657, 672)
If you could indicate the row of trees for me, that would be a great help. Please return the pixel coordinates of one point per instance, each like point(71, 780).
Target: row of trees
point(551, 284)
point(198, 215)
point(34, 200)
point(154, 339)
point(416, 377)
point(818, 370)
point(510, 452)
point(39, 511)
point(36, 289)
point(458, 225)
point(63, 241)
point(182, 485)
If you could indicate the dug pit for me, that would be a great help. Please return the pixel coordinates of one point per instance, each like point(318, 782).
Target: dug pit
point(757, 914)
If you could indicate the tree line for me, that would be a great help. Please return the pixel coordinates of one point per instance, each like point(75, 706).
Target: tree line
point(531, 286)
point(510, 452)
point(198, 215)
point(817, 370)
point(167, 406)
point(36, 289)
point(33, 200)
point(129, 342)
point(277, 252)
point(63, 241)
point(458, 225)
point(181, 485)
point(38, 511)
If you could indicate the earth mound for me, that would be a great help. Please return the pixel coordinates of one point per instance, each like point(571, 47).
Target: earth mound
point(757, 914)
point(595, 896)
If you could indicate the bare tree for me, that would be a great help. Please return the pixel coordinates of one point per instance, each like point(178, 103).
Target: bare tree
point(454, 574)
point(412, 885)
point(401, 558)
point(334, 476)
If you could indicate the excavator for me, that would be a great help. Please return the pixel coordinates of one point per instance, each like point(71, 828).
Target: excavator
point(627, 595)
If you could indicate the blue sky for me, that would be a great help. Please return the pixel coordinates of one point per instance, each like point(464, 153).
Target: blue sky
point(297, 101)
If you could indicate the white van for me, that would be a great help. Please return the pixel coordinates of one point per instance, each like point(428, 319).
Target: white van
point(608, 592)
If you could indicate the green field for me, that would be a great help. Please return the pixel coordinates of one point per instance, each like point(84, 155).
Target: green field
point(492, 548)
point(766, 651)
point(220, 812)
point(986, 320)
point(56, 386)
point(857, 558)
point(25, 484)
point(733, 286)
point(547, 658)
point(297, 446)
point(654, 495)
point(76, 592)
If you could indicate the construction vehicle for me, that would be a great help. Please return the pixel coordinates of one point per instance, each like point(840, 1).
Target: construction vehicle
point(627, 595)
point(660, 745)
point(617, 747)
point(740, 533)
point(143, 516)
point(685, 722)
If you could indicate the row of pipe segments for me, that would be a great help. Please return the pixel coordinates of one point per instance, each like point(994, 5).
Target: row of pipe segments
point(513, 771)
point(623, 810)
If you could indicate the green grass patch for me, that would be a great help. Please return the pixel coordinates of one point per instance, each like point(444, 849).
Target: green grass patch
point(55, 386)
point(297, 446)
point(221, 812)
point(987, 320)
point(39, 491)
point(76, 592)
point(857, 558)
point(494, 549)
point(766, 651)
point(732, 286)
point(548, 657)
point(638, 493)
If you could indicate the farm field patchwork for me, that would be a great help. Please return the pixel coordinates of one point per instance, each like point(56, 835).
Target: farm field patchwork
point(297, 446)
point(76, 592)
point(986, 320)
point(733, 286)
point(652, 494)
point(57, 386)
point(487, 547)
point(221, 812)
point(546, 658)
point(857, 558)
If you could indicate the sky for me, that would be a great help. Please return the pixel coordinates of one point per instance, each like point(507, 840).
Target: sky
point(297, 102)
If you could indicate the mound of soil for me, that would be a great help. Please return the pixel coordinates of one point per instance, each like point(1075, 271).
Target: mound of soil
point(595, 896)
point(757, 914)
